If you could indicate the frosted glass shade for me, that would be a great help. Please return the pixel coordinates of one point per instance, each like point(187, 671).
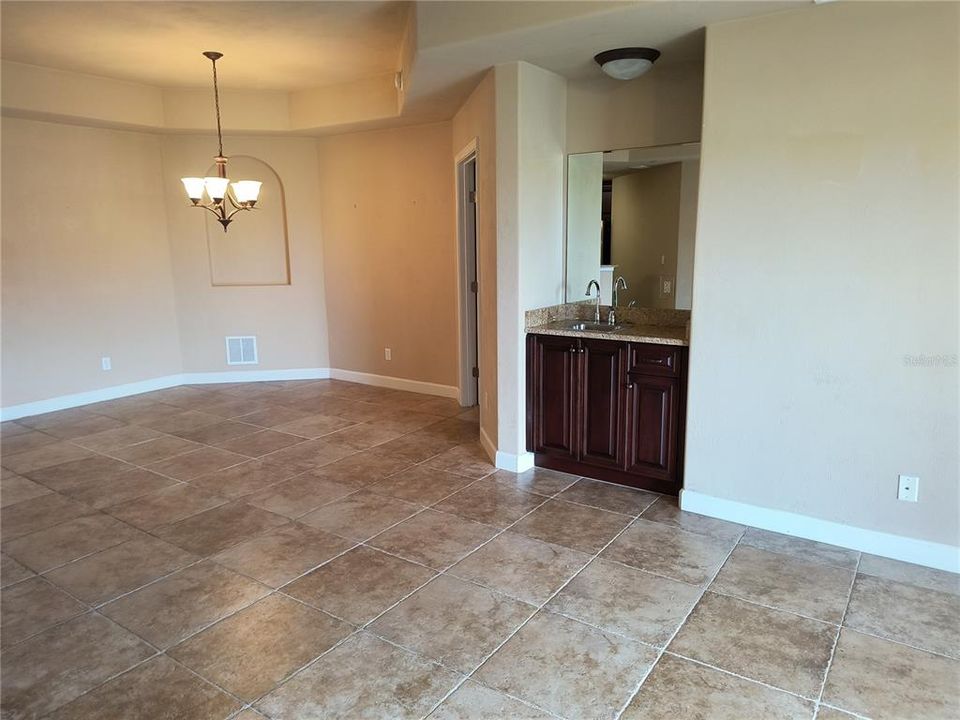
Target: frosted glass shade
point(194, 187)
point(216, 187)
point(246, 191)
point(627, 68)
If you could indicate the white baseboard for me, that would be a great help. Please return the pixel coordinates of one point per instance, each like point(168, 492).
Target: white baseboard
point(919, 552)
point(514, 463)
point(395, 383)
point(63, 402)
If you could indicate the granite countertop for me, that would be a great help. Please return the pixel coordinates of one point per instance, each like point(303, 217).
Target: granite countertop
point(629, 332)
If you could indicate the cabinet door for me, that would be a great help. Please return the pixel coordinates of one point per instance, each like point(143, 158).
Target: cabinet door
point(551, 395)
point(652, 426)
point(601, 381)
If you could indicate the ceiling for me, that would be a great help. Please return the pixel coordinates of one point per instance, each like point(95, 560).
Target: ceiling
point(266, 45)
point(296, 46)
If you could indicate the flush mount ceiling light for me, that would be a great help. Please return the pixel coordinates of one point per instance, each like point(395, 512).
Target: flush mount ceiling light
point(242, 194)
point(626, 63)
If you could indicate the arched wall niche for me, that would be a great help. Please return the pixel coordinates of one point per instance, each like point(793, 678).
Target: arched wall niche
point(255, 250)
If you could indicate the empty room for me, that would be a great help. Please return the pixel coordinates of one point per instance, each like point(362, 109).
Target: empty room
point(480, 360)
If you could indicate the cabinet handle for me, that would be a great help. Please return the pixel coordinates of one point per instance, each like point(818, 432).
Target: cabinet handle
point(572, 349)
point(629, 386)
point(654, 361)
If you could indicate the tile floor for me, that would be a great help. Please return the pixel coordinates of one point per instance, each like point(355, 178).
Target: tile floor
point(329, 550)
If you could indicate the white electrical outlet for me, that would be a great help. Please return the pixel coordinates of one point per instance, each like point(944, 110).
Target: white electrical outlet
point(387, 354)
point(908, 488)
point(105, 363)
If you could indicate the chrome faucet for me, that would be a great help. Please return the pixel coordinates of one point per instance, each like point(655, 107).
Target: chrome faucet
point(620, 284)
point(591, 284)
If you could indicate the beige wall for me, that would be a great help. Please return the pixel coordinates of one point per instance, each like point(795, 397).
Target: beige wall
point(390, 251)
point(687, 232)
point(825, 320)
point(86, 263)
point(531, 125)
point(645, 217)
point(660, 108)
point(477, 120)
point(288, 320)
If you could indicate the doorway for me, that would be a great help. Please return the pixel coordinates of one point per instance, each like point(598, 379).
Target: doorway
point(469, 280)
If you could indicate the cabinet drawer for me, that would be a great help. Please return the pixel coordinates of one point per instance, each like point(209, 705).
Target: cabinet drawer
point(649, 359)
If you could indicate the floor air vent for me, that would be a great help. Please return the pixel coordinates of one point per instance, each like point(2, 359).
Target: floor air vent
point(242, 350)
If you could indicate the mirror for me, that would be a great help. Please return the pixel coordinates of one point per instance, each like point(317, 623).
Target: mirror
point(633, 213)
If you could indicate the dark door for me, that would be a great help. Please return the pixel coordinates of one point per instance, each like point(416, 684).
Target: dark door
point(600, 396)
point(652, 431)
point(551, 395)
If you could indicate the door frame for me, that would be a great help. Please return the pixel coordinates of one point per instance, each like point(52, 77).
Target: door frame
point(468, 338)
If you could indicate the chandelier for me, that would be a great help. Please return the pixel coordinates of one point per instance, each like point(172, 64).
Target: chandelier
point(241, 195)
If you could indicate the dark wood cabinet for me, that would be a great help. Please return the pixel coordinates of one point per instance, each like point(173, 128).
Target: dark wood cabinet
point(607, 409)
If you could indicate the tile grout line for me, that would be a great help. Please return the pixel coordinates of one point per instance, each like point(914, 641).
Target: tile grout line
point(836, 640)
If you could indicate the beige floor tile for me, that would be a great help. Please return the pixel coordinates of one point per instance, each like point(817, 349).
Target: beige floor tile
point(12, 572)
point(243, 479)
point(462, 432)
point(536, 480)
point(57, 417)
point(669, 551)
point(883, 680)
point(774, 647)
point(606, 496)
point(362, 679)
point(119, 488)
point(417, 446)
point(11, 428)
point(54, 546)
point(215, 530)
point(80, 472)
point(784, 582)
point(171, 609)
point(475, 621)
point(359, 585)
point(165, 506)
point(310, 454)
point(38, 513)
point(110, 441)
point(314, 426)
point(250, 652)
point(32, 606)
point(218, 432)
point(521, 567)
point(298, 496)
point(197, 463)
point(627, 601)
point(420, 484)
point(446, 407)
point(60, 664)
point(365, 467)
point(682, 690)
point(469, 460)
point(434, 539)
point(473, 701)
point(491, 503)
point(283, 554)
point(360, 516)
point(568, 668)
point(56, 453)
point(158, 688)
point(574, 526)
point(25, 440)
point(362, 436)
point(183, 420)
point(666, 510)
point(927, 619)
point(234, 407)
point(68, 430)
point(909, 573)
point(828, 713)
point(272, 416)
point(260, 443)
point(119, 569)
point(801, 548)
point(151, 451)
point(14, 489)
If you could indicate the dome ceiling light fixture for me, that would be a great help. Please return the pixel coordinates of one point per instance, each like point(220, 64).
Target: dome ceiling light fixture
point(242, 194)
point(626, 63)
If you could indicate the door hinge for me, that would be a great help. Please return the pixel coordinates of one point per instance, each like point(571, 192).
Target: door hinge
point(472, 196)
point(476, 372)
point(473, 286)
